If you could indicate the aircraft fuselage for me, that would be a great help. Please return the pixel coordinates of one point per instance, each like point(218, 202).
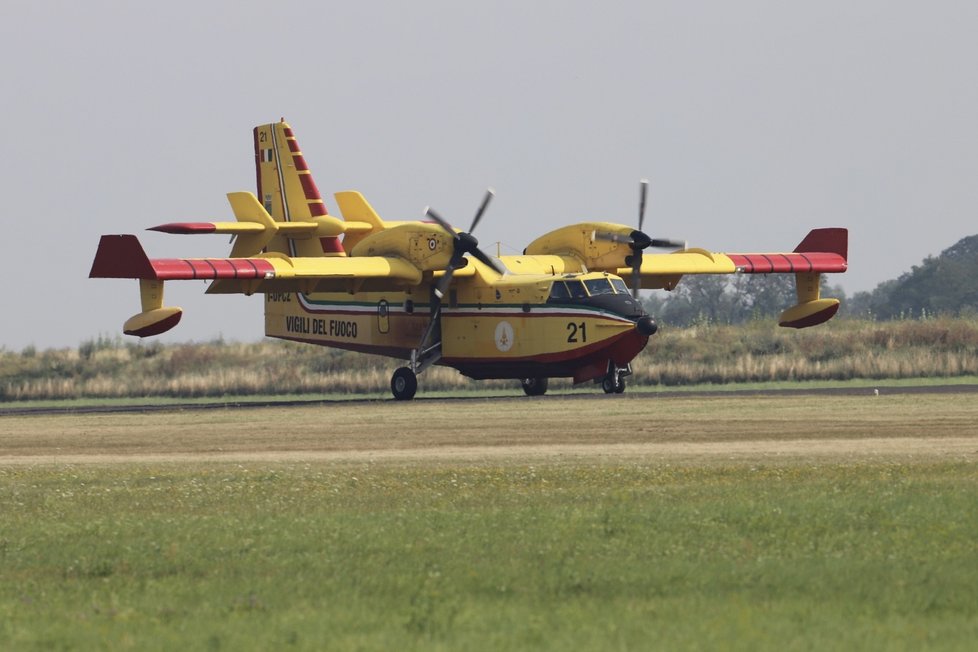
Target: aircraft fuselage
point(523, 329)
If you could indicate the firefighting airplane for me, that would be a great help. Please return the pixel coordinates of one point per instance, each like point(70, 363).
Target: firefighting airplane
point(424, 292)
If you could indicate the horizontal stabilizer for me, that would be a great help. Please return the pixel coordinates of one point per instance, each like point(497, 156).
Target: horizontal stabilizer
point(255, 228)
point(195, 228)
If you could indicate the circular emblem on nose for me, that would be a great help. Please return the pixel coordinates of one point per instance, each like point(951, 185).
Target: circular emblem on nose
point(432, 243)
point(504, 336)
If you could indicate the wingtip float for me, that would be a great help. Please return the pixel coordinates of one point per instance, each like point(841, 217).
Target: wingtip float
point(424, 291)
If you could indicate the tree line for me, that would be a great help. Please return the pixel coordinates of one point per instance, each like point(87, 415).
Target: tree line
point(944, 285)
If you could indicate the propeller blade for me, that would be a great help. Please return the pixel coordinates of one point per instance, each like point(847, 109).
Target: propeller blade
point(663, 243)
point(490, 193)
point(636, 274)
point(643, 192)
point(430, 212)
point(446, 279)
point(486, 260)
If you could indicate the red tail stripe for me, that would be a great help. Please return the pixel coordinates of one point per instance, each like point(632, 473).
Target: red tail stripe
point(309, 186)
point(317, 208)
point(331, 245)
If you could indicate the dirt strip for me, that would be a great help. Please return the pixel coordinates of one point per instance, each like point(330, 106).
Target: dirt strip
point(826, 450)
point(10, 410)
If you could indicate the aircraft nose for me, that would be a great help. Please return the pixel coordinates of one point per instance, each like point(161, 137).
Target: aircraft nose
point(646, 326)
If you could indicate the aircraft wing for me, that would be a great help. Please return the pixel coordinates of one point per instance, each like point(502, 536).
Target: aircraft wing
point(122, 256)
point(822, 251)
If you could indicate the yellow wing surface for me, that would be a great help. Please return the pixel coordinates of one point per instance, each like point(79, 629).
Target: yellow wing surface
point(122, 256)
point(577, 247)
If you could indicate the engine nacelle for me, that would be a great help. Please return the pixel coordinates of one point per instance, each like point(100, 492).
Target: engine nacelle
point(578, 240)
point(426, 246)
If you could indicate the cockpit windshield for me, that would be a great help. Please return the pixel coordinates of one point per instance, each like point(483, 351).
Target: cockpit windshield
point(576, 289)
point(558, 291)
point(596, 286)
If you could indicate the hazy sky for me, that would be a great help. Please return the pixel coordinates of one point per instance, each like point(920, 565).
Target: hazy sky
point(754, 120)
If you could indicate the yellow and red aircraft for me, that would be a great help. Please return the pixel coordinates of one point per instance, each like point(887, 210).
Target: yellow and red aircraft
point(424, 292)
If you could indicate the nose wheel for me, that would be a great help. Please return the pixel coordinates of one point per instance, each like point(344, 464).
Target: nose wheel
point(614, 381)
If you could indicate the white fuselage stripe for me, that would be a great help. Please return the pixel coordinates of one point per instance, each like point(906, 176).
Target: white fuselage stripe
point(281, 186)
point(486, 311)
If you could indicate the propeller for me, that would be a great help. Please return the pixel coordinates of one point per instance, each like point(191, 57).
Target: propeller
point(463, 243)
point(639, 241)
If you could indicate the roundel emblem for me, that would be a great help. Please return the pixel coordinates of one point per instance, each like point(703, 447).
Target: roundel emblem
point(504, 336)
point(432, 243)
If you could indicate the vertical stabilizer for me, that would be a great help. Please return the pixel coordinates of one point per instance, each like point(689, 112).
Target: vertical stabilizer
point(287, 190)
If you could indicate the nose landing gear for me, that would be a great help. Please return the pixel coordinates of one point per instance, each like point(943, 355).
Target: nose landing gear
point(614, 381)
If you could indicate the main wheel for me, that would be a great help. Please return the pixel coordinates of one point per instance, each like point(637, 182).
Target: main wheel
point(404, 383)
point(620, 385)
point(534, 386)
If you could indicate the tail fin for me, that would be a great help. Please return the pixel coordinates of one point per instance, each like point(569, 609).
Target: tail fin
point(287, 190)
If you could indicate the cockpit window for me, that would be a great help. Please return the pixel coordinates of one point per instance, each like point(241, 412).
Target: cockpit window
point(558, 291)
point(577, 290)
point(597, 286)
point(619, 286)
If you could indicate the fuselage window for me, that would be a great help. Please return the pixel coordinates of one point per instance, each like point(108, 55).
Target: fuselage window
point(620, 286)
point(577, 290)
point(597, 286)
point(558, 291)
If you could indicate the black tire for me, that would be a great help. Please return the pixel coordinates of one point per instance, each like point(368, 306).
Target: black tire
point(534, 386)
point(404, 384)
point(620, 385)
point(608, 385)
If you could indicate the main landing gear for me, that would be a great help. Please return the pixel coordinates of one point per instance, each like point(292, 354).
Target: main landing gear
point(534, 386)
point(404, 384)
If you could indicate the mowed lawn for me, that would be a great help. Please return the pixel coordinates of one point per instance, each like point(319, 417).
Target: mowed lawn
point(583, 553)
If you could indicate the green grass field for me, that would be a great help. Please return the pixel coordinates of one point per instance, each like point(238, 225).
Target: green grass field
point(587, 552)
point(553, 557)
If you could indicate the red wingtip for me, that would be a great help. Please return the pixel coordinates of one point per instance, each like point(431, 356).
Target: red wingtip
point(121, 256)
point(833, 241)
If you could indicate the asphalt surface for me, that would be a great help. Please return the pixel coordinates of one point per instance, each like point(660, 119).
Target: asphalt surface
point(597, 395)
